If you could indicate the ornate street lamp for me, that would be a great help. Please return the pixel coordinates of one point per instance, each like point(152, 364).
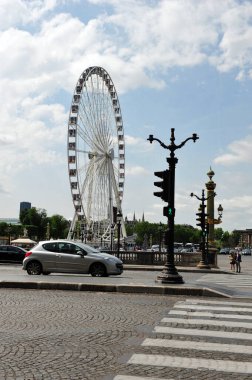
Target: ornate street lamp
point(220, 212)
point(112, 227)
point(204, 228)
point(82, 232)
point(169, 274)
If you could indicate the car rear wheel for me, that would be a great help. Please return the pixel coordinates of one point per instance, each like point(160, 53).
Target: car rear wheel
point(34, 268)
point(98, 270)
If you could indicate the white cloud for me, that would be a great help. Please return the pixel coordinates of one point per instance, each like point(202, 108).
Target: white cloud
point(136, 171)
point(239, 203)
point(22, 12)
point(137, 144)
point(239, 152)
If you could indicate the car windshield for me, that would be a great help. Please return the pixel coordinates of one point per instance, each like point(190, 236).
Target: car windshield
point(88, 248)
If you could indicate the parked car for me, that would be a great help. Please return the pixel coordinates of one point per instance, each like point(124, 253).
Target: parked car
point(188, 249)
point(70, 257)
point(12, 254)
point(155, 248)
point(224, 251)
point(246, 252)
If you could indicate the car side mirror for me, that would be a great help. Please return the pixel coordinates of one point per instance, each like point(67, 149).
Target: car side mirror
point(81, 253)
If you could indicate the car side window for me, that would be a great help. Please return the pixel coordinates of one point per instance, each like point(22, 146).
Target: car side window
point(13, 249)
point(52, 247)
point(67, 248)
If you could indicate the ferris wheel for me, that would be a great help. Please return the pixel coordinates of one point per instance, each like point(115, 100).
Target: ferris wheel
point(96, 155)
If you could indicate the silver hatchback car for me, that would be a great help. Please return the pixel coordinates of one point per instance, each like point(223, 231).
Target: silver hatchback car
point(70, 257)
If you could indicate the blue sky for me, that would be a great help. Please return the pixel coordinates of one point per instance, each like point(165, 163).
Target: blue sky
point(183, 64)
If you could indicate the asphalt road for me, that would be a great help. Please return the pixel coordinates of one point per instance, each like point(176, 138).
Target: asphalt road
point(228, 283)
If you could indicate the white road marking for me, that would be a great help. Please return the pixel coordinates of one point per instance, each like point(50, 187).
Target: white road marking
point(209, 322)
point(126, 377)
point(219, 308)
point(209, 314)
point(200, 346)
point(191, 363)
point(210, 302)
point(199, 332)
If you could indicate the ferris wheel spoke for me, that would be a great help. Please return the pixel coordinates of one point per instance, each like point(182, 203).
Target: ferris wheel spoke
point(90, 137)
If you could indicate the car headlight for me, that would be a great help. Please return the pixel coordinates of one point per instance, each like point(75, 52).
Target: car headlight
point(110, 259)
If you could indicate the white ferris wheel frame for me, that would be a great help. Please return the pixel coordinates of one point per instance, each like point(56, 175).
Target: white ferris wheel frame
point(90, 124)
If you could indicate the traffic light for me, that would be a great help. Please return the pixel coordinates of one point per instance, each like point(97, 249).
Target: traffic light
point(164, 185)
point(168, 211)
point(200, 219)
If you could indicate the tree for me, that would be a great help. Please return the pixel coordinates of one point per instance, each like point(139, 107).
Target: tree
point(218, 233)
point(234, 238)
point(184, 233)
point(58, 226)
point(35, 221)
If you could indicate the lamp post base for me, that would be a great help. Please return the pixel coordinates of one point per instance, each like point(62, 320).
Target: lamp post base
point(203, 265)
point(169, 275)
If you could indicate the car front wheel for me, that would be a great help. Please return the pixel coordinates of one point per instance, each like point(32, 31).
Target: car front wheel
point(98, 270)
point(34, 268)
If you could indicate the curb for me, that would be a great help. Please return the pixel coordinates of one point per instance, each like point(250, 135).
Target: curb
point(138, 289)
point(182, 269)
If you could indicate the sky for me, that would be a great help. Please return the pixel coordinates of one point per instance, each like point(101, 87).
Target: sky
point(182, 64)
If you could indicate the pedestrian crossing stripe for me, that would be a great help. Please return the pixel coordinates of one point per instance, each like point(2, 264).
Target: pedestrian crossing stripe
point(199, 346)
point(238, 281)
point(127, 377)
point(216, 308)
point(209, 314)
point(189, 313)
point(210, 302)
point(191, 363)
point(206, 333)
point(194, 321)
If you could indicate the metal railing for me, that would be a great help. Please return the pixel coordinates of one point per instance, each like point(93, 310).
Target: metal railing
point(187, 259)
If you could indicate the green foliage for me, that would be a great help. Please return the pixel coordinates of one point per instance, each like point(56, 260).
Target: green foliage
point(12, 231)
point(58, 227)
point(153, 232)
point(186, 234)
point(182, 234)
point(35, 221)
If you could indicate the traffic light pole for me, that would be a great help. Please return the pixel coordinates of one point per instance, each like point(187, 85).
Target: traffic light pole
point(169, 274)
point(203, 264)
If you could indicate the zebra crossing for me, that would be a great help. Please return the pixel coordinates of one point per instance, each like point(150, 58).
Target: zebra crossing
point(239, 281)
point(197, 339)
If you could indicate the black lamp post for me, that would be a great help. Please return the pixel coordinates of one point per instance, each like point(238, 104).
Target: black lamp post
point(169, 274)
point(160, 232)
point(82, 232)
point(9, 233)
point(203, 264)
point(112, 237)
point(119, 218)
